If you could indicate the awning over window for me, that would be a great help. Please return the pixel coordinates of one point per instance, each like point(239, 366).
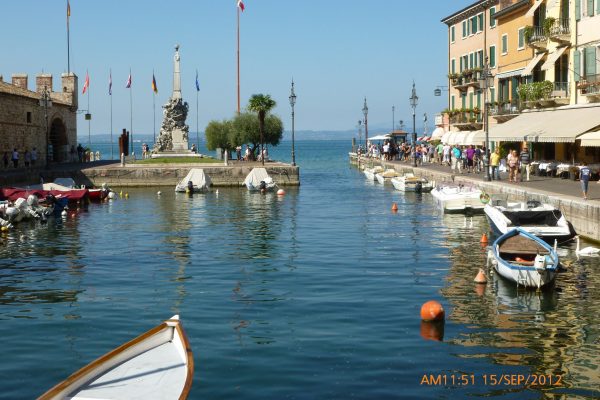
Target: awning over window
point(529, 68)
point(590, 139)
point(516, 72)
point(561, 125)
point(534, 7)
point(438, 133)
point(552, 58)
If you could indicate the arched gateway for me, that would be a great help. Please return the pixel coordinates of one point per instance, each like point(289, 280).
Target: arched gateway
point(58, 141)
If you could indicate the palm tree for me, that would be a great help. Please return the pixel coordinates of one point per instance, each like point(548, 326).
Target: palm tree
point(261, 104)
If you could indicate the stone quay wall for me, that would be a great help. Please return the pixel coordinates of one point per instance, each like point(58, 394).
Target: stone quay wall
point(585, 216)
point(144, 175)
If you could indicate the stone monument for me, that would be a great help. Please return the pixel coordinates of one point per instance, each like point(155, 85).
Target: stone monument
point(173, 137)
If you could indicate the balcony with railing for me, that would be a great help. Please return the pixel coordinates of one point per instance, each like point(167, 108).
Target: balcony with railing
point(467, 78)
point(590, 86)
point(466, 119)
point(503, 111)
point(536, 37)
point(560, 30)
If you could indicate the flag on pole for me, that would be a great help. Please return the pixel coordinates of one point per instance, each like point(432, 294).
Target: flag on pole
point(110, 83)
point(68, 10)
point(240, 4)
point(128, 85)
point(197, 84)
point(154, 87)
point(86, 84)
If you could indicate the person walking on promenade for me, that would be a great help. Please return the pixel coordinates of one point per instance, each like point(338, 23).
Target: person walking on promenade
point(446, 155)
point(5, 159)
point(456, 159)
point(27, 158)
point(525, 159)
point(15, 158)
point(584, 177)
point(34, 156)
point(470, 158)
point(513, 162)
point(495, 164)
point(439, 151)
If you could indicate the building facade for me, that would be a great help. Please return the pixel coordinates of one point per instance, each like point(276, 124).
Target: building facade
point(43, 119)
point(472, 40)
point(586, 54)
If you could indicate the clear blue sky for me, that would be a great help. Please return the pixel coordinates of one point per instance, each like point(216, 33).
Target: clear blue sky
point(337, 51)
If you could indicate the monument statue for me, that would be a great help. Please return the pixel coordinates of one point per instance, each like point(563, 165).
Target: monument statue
point(173, 137)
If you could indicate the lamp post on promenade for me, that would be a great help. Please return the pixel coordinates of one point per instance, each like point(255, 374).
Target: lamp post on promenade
point(486, 81)
point(46, 102)
point(365, 111)
point(292, 103)
point(393, 117)
point(359, 132)
point(414, 100)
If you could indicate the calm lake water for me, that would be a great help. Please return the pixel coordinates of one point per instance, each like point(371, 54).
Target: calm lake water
point(315, 295)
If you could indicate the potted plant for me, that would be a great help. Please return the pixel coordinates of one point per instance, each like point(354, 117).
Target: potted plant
point(573, 172)
point(549, 25)
point(528, 33)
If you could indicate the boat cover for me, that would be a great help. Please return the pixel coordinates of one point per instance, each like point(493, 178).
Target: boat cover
point(256, 176)
point(199, 179)
point(524, 218)
point(13, 194)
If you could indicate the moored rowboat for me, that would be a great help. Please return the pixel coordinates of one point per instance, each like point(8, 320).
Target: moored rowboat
point(156, 365)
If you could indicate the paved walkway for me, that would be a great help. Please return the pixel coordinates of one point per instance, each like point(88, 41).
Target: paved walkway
point(551, 185)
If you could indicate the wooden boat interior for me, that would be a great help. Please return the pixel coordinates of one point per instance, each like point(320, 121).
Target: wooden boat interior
point(520, 250)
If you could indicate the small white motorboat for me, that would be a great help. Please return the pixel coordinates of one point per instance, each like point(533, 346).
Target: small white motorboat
point(259, 180)
point(542, 220)
point(156, 365)
point(195, 181)
point(524, 259)
point(410, 183)
point(385, 177)
point(371, 172)
point(459, 198)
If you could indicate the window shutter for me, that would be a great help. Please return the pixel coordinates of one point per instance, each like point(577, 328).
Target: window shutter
point(577, 65)
point(492, 17)
point(453, 66)
point(480, 16)
point(590, 8)
point(492, 56)
point(452, 33)
point(492, 95)
point(577, 10)
point(598, 7)
point(452, 103)
point(479, 99)
point(590, 61)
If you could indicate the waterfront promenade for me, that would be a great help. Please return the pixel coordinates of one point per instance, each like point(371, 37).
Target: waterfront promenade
point(565, 194)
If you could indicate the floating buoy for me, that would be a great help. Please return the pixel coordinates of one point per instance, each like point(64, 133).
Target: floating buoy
point(121, 194)
point(394, 207)
point(480, 278)
point(64, 213)
point(4, 229)
point(158, 193)
point(111, 195)
point(280, 192)
point(484, 239)
point(432, 311)
point(126, 195)
point(484, 198)
point(217, 192)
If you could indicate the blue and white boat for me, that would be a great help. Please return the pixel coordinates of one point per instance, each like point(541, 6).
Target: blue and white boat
point(524, 258)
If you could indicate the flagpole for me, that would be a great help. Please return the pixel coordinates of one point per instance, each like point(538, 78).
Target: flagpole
point(197, 137)
point(68, 39)
point(154, 107)
point(88, 110)
point(111, 117)
point(130, 115)
point(238, 59)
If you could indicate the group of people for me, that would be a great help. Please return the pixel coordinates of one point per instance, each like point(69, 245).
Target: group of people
point(390, 151)
point(29, 158)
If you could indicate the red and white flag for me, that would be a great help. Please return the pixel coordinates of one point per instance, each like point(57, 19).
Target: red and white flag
point(128, 85)
point(86, 84)
point(240, 4)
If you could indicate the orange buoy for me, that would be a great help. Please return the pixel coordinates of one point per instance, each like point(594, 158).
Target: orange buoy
point(432, 330)
point(432, 311)
point(480, 290)
point(484, 239)
point(394, 207)
point(480, 278)
point(280, 192)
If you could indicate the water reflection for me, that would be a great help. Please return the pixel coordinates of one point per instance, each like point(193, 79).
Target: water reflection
point(548, 332)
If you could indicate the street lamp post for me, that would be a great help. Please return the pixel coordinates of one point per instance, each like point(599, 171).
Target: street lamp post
point(413, 103)
point(485, 82)
point(365, 111)
point(393, 117)
point(292, 103)
point(46, 102)
point(359, 132)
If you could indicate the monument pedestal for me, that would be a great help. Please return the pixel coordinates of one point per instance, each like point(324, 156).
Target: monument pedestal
point(176, 153)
